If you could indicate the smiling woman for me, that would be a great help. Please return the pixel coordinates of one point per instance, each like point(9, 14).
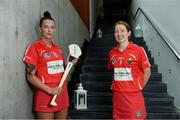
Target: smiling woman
point(131, 73)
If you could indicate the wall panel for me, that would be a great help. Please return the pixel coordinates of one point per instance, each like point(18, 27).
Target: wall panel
point(82, 7)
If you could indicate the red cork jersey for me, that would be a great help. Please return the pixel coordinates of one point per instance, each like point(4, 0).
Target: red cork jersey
point(128, 68)
point(49, 62)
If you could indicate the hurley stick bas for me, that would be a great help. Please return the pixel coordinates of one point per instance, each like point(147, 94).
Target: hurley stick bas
point(74, 53)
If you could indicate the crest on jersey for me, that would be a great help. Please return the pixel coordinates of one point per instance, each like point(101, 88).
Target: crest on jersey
point(129, 60)
point(113, 61)
point(138, 114)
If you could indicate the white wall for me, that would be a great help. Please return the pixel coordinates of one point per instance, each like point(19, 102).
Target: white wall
point(18, 21)
point(93, 15)
point(164, 15)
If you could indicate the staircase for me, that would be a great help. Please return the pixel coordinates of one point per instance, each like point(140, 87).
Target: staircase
point(97, 79)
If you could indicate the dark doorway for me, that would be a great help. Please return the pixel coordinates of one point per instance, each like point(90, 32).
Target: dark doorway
point(116, 7)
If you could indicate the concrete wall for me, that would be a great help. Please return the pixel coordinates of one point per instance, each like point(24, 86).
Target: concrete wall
point(18, 21)
point(93, 15)
point(164, 15)
point(96, 10)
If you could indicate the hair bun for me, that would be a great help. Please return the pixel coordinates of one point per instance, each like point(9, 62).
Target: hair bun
point(47, 14)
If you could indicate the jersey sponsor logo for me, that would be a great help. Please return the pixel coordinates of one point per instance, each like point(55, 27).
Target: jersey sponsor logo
point(47, 54)
point(122, 74)
point(55, 67)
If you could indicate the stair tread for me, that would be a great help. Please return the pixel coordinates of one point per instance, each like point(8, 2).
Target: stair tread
point(146, 94)
point(108, 108)
point(105, 73)
point(109, 83)
point(102, 60)
point(100, 66)
point(103, 68)
point(107, 76)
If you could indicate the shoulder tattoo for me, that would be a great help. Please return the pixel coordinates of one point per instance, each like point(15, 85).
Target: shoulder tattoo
point(30, 69)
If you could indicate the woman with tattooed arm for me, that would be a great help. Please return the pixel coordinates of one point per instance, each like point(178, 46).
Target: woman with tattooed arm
point(44, 68)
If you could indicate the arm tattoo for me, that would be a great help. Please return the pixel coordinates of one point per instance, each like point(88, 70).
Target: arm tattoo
point(30, 69)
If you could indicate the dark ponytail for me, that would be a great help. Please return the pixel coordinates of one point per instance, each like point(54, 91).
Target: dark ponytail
point(47, 16)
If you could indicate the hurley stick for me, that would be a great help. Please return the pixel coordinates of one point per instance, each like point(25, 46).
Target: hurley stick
point(74, 52)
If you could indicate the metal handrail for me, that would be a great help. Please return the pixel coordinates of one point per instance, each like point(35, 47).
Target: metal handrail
point(158, 31)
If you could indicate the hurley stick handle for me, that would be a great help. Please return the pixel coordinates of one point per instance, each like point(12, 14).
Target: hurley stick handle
point(68, 68)
point(74, 51)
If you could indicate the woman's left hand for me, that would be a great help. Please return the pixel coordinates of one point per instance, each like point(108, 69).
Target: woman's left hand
point(75, 60)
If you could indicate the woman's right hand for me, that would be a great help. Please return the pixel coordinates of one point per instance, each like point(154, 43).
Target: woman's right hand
point(55, 91)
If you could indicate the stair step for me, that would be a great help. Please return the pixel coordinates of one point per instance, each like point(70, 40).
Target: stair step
point(105, 48)
point(89, 115)
point(112, 41)
point(108, 77)
point(171, 116)
point(107, 35)
point(100, 49)
point(105, 112)
point(105, 54)
point(108, 108)
point(156, 88)
point(100, 100)
point(146, 94)
point(106, 87)
point(107, 40)
point(107, 31)
point(101, 43)
point(109, 82)
point(102, 60)
point(99, 68)
point(159, 101)
point(109, 45)
point(161, 109)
